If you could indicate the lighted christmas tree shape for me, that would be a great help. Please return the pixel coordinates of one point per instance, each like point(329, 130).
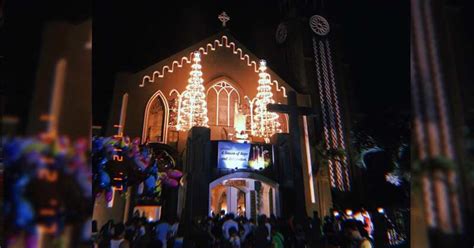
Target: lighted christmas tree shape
point(193, 110)
point(265, 123)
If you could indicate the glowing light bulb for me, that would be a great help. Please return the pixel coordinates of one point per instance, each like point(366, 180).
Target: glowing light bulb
point(348, 212)
point(193, 110)
point(265, 123)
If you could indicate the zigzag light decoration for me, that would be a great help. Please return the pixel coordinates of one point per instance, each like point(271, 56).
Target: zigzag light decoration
point(332, 120)
point(266, 123)
point(223, 42)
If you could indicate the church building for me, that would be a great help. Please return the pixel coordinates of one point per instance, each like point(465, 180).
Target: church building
point(240, 132)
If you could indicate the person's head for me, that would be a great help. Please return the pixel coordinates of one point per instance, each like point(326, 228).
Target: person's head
point(261, 220)
point(351, 230)
point(119, 231)
point(171, 219)
point(315, 214)
point(327, 219)
point(230, 216)
point(299, 228)
point(164, 219)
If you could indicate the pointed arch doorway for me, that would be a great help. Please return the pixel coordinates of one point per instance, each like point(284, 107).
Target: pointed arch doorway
point(244, 194)
point(155, 123)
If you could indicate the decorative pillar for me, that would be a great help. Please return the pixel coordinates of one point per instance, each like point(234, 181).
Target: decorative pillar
point(248, 199)
point(232, 196)
point(439, 220)
point(284, 173)
point(329, 100)
point(197, 178)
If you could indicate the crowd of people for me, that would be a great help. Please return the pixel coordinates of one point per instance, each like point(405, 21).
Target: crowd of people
point(228, 231)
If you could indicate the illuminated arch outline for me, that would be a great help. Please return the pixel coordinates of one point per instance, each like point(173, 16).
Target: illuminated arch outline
point(224, 41)
point(253, 176)
point(166, 115)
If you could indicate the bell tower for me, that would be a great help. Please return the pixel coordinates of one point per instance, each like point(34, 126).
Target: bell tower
point(307, 36)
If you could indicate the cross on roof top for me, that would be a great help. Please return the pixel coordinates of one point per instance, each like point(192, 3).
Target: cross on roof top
point(223, 17)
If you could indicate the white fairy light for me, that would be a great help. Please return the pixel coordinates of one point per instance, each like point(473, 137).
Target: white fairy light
point(393, 179)
point(193, 109)
point(265, 123)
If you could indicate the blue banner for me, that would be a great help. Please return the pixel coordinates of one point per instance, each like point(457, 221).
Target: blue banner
point(237, 156)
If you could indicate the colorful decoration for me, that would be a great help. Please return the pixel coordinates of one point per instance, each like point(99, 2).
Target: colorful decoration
point(265, 123)
point(42, 172)
point(119, 163)
point(161, 174)
point(193, 110)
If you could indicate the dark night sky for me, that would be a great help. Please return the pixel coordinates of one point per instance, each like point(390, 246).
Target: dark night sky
point(376, 43)
point(127, 36)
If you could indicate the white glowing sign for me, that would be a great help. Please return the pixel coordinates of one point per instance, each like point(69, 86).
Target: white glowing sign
point(233, 155)
point(237, 156)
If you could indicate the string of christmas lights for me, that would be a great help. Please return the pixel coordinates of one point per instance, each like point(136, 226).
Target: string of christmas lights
point(193, 109)
point(323, 107)
point(223, 42)
point(332, 121)
point(265, 123)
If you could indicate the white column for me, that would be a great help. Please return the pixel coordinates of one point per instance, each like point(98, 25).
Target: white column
point(247, 205)
point(265, 200)
point(232, 194)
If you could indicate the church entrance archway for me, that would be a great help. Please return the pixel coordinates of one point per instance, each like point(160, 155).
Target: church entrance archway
point(244, 194)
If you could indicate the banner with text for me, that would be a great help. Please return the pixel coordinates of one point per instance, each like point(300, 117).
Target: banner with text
point(237, 156)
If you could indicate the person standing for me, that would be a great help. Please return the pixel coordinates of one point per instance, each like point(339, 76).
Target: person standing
point(352, 232)
point(162, 231)
point(316, 229)
point(118, 240)
point(277, 238)
point(234, 239)
point(229, 223)
point(261, 234)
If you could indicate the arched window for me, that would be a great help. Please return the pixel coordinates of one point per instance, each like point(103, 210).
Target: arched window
point(221, 102)
point(155, 126)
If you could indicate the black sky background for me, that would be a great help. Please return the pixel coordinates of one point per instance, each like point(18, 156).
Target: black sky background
point(128, 36)
point(375, 46)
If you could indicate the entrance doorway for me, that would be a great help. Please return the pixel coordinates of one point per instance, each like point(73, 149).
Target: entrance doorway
point(244, 194)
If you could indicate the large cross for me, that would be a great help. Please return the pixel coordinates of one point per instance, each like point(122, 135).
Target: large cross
point(294, 112)
point(223, 17)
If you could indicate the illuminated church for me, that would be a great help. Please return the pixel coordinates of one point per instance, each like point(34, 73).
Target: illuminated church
point(208, 104)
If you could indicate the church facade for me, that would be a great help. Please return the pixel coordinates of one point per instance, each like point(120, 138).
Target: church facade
point(245, 170)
